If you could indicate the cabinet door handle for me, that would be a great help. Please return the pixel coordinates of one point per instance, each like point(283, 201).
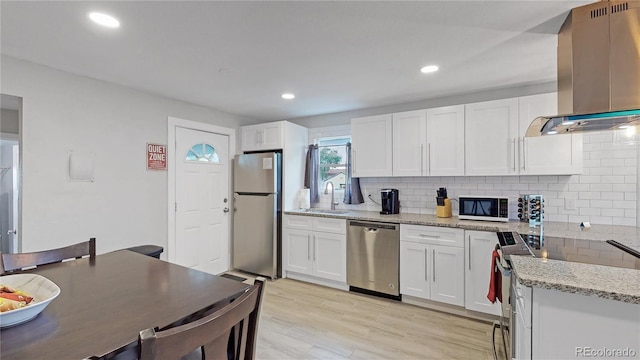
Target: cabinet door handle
point(308, 247)
point(314, 248)
point(426, 266)
point(524, 155)
point(421, 159)
point(433, 262)
point(469, 237)
point(514, 154)
point(429, 159)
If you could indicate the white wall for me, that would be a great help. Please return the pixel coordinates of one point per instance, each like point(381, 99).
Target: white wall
point(344, 118)
point(605, 193)
point(126, 205)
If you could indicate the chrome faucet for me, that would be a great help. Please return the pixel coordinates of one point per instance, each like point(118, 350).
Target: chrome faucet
point(326, 191)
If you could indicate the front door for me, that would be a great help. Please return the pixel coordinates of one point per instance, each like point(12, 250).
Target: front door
point(202, 203)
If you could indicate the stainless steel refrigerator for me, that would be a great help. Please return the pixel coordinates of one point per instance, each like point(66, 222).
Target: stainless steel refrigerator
point(257, 184)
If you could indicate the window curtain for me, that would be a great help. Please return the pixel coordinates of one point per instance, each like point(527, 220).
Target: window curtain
point(311, 174)
point(352, 192)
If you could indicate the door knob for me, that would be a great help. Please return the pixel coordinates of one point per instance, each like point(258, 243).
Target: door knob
point(225, 210)
point(12, 232)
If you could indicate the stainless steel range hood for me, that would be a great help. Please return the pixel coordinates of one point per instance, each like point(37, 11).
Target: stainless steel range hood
point(598, 70)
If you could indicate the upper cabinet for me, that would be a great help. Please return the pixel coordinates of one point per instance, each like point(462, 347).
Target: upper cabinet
point(371, 146)
point(546, 155)
point(429, 142)
point(267, 136)
point(479, 139)
point(491, 132)
point(410, 143)
point(445, 141)
point(420, 143)
point(496, 143)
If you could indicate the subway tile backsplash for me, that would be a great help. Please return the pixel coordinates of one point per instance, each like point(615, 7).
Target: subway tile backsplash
point(605, 193)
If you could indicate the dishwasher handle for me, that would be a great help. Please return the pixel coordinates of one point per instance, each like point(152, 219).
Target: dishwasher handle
point(373, 227)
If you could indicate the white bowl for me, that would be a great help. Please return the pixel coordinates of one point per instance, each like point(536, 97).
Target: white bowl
point(39, 287)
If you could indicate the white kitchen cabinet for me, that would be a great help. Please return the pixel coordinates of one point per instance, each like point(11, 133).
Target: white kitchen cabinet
point(447, 275)
point(297, 257)
point(567, 326)
point(329, 256)
point(372, 146)
point(496, 143)
point(479, 248)
point(315, 246)
point(491, 133)
point(546, 155)
point(432, 263)
point(267, 136)
point(409, 143)
point(414, 263)
point(445, 141)
point(523, 305)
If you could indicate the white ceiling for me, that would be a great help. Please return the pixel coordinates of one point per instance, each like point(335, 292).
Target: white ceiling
point(240, 56)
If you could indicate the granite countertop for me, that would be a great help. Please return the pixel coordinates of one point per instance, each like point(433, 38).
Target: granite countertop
point(585, 279)
point(591, 280)
point(627, 235)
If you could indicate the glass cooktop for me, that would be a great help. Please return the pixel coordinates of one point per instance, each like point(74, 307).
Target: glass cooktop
point(574, 250)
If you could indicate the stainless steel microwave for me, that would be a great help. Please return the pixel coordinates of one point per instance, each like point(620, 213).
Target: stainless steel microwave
point(489, 208)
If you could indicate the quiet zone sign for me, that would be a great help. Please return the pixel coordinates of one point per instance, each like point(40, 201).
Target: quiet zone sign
point(156, 157)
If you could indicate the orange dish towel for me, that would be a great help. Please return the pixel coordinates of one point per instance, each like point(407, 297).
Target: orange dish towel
point(495, 282)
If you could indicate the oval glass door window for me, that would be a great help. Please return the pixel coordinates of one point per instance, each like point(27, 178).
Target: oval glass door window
point(203, 153)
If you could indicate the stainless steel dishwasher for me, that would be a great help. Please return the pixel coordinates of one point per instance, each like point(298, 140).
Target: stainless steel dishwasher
point(373, 257)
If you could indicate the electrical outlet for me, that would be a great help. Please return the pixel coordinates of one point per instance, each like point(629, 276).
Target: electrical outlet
point(569, 204)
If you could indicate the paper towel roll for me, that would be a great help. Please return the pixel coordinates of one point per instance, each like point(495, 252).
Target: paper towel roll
point(304, 199)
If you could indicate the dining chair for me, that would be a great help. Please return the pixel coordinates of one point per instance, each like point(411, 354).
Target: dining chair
point(18, 261)
point(229, 333)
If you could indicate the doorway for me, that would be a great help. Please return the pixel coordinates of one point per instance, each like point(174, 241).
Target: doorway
point(10, 172)
point(199, 177)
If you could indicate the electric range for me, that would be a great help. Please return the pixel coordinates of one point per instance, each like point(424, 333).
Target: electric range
point(608, 253)
point(535, 244)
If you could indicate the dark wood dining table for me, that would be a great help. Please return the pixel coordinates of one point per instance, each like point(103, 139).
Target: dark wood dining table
point(104, 303)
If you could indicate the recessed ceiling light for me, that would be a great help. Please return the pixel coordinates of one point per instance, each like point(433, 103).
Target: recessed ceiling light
point(568, 122)
point(429, 69)
point(552, 132)
point(288, 96)
point(624, 126)
point(104, 20)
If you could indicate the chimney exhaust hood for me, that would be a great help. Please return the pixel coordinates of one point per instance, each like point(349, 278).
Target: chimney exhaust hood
point(598, 70)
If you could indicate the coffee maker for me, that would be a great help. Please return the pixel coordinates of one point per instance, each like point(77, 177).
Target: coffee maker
point(390, 201)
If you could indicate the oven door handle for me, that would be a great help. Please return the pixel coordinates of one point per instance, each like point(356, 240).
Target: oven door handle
point(503, 270)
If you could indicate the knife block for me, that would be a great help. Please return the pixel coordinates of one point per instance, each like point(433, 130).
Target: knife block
point(444, 211)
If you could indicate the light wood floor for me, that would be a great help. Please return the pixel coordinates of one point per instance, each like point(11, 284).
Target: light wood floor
point(306, 321)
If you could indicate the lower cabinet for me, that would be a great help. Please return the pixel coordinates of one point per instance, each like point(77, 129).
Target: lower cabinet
point(552, 324)
point(522, 321)
point(320, 254)
point(428, 269)
point(479, 248)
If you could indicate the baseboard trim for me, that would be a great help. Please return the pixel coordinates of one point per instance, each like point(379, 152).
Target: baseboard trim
point(450, 309)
